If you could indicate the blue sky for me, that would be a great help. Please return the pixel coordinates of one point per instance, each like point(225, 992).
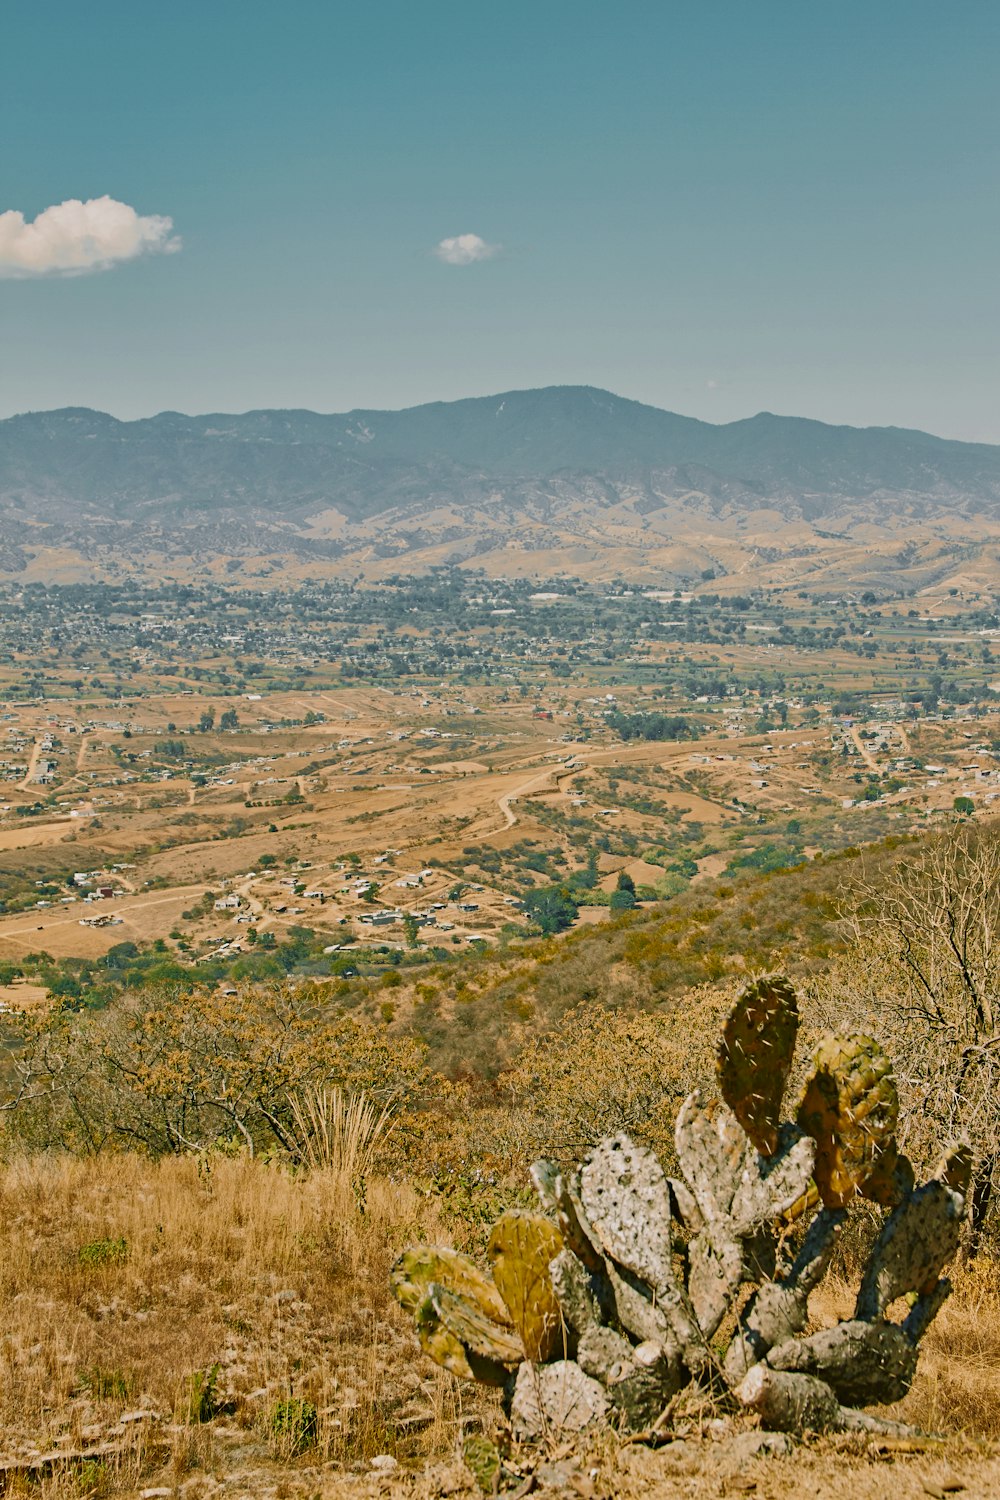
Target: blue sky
point(717, 206)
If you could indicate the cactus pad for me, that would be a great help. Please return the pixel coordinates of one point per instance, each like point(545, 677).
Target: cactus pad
point(442, 1346)
point(849, 1107)
point(470, 1325)
point(891, 1180)
point(916, 1243)
point(417, 1268)
point(521, 1247)
point(755, 1058)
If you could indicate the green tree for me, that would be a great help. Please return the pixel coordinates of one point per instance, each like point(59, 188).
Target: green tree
point(622, 900)
point(551, 908)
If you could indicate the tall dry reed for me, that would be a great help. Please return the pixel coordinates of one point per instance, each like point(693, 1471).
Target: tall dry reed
point(338, 1132)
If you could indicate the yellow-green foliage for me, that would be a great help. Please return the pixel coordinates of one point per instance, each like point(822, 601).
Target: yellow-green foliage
point(419, 1267)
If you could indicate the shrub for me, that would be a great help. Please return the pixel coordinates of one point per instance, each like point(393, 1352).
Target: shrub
point(295, 1424)
point(103, 1252)
point(170, 1072)
point(202, 1404)
point(552, 908)
point(608, 1070)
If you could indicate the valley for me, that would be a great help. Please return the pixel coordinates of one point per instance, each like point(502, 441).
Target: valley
point(341, 781)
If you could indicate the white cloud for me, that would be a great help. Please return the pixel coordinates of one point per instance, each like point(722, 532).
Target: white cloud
point(464, 249)
point(72, 238)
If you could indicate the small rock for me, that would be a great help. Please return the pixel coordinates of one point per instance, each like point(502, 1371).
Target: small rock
point(154, 1494)
point(565, 1475)
point(384, 1463)
point(747, 1445)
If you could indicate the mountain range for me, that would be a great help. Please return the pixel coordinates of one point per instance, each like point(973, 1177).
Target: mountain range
point(563, 479)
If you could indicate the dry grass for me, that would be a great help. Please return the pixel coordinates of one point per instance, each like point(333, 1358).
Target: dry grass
point(957, 1388)
point(338, 1133)
point(208, 1294)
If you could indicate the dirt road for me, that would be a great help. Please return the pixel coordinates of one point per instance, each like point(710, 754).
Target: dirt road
point(865, 753)
point(533, 784)
point(36, 751)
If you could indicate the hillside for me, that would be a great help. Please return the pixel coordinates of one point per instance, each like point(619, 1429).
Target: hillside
point(565, 479)
point(191, 1317)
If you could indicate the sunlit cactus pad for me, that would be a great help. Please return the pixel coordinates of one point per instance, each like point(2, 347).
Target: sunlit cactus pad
point(850, 1108)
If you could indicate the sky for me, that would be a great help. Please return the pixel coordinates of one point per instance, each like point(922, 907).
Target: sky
point(716, 206)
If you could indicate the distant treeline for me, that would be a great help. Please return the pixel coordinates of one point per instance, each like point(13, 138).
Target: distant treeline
point(652, 726)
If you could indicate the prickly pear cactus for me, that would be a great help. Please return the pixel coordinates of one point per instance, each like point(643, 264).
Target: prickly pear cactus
point(605, 1305)
point(483, 1461)
point(755, 1058)
point(850, 1108)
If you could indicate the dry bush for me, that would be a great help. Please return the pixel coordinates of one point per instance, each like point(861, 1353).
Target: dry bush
point(923, 975)
point(602, 1071)
point(168, 1072)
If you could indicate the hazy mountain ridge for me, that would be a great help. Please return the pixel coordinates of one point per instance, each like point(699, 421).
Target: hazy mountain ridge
point(558, 472)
